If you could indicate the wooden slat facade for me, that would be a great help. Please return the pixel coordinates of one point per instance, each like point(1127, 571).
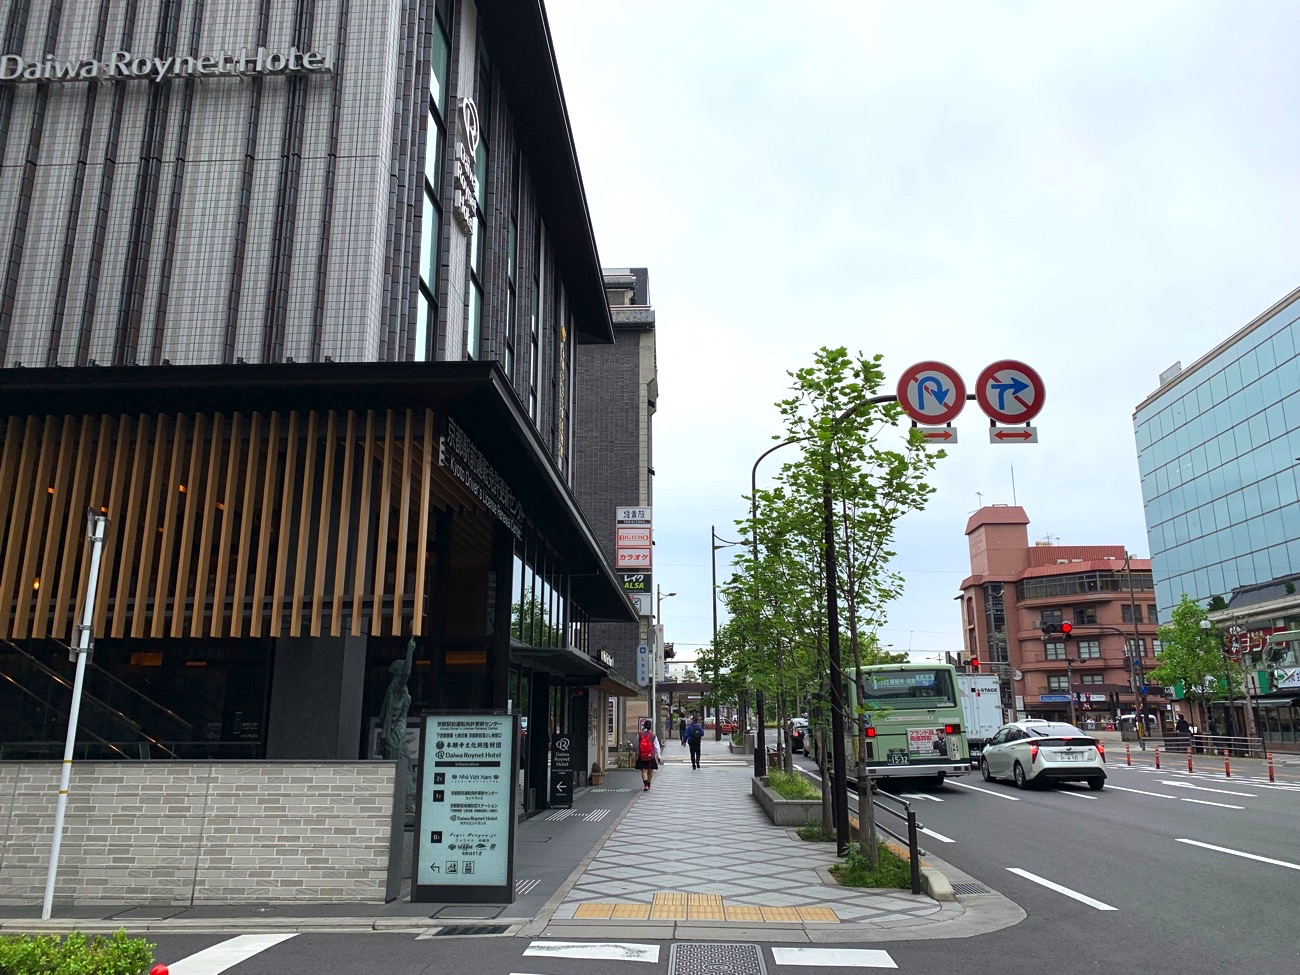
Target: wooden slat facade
point(224, 525)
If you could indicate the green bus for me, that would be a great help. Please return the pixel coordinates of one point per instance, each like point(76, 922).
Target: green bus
point(912, 717)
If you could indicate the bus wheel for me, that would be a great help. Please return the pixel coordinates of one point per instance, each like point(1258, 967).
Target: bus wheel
point(939, 777)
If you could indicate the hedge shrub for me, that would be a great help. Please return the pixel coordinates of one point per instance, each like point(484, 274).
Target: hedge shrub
point(74, 955)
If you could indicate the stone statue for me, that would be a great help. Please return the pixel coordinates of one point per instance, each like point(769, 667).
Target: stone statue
point(397, 703)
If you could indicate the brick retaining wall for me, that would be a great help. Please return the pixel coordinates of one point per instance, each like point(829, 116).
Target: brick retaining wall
point(179, 833)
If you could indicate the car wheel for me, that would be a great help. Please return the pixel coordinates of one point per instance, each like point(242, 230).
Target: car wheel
point(985, 771)
point(1019, 774)
point(1096, 785)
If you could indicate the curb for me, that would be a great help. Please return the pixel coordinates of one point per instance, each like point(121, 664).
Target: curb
point(936, 885)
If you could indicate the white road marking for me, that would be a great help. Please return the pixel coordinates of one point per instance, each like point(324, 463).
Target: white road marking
point(1240, 853)
point(226, 954)
point(1201, 788)
point(938, 836)
point(917, 795)
point(987, 792)
point(1081, 898)
point(1077, 795)
point(833, 957)
point(1161, 795)
point(595, 950)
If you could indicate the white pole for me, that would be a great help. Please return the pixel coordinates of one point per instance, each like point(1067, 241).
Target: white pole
point(95, 524)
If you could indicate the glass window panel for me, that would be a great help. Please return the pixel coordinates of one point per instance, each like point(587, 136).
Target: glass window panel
point(481, 171)
point(438, 70)
point(433, 159)
point(475, 321)
point(1264, 356)
point(422, 327)
point(428, 234)
point(1283, 344)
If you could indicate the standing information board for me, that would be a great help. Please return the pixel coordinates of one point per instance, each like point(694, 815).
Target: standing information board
point(465, 822)
point(561, 770)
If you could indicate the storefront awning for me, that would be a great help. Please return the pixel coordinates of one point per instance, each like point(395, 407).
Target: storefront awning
point(1276, 702)
point(477, 395)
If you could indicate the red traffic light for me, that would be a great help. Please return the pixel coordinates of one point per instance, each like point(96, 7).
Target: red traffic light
point(975, 663)
point(1066, 628)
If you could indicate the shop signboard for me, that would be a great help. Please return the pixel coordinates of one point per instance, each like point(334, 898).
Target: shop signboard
point(465, 822)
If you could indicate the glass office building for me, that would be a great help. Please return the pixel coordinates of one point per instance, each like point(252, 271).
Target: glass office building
point(1217, 453)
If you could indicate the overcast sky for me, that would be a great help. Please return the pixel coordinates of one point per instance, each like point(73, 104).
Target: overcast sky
point(1099, 189)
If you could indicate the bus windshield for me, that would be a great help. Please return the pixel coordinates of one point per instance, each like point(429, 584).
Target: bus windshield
point(908, 689)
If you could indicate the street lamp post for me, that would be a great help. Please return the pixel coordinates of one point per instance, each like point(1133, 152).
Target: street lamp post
point(660, 596)
point(717, 711)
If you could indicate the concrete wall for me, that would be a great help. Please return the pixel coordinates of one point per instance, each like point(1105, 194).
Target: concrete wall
point(163, 833)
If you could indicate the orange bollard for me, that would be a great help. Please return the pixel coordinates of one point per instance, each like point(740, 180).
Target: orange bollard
point(1128, 753)
point(1189, 758)
point(1227, 767)
point(1270, 768)
point(1157, 756)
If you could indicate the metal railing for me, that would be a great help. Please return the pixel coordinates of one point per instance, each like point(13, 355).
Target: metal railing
point(908, 815)
point(1236, 746)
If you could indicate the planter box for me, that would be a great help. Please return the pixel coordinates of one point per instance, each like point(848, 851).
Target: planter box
point(785, 812)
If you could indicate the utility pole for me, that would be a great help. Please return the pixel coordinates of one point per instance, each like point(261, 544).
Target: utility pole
point(1069, 687)
point(1137, 671)
point(96, 524)
point(655, 651)
point(717, 675)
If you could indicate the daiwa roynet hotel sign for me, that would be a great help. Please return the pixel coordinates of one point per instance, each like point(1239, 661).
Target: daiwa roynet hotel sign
point(123, 65)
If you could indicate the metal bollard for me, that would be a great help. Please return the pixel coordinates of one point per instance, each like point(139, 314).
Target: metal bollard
point(1128, 754)
point(1157, 756)
point(1227, 767)
point(1270, 768)
point(1189, 758)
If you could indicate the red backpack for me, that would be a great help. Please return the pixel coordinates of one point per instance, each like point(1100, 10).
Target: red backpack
point(647, 746)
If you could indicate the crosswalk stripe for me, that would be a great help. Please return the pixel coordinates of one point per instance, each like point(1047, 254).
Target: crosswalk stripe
point(226, 954)
point(833, 957)
point(597, 951)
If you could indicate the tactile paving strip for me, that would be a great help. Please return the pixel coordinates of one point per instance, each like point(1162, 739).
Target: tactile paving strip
point(715, 958)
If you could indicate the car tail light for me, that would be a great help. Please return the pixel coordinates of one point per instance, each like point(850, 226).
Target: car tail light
point(1101, 750)
point(1033, 754)
point(871, 732)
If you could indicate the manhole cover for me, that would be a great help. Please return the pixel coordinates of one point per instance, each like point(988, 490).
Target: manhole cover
point(970, 889)
point(453, 930)
point(712, 958)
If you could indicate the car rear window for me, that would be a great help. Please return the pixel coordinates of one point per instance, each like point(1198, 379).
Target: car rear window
point(1055, 731)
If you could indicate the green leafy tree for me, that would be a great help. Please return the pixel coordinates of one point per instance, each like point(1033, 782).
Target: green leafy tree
point(1192, 654)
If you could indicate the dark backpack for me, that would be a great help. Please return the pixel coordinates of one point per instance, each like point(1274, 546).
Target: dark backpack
point(647, 746)
point(696, 732)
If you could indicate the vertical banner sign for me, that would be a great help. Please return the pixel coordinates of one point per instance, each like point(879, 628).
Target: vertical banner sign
point(562, 770)
point(632, 539)
point(637, 585)
point(465, 823)
point(643, 666)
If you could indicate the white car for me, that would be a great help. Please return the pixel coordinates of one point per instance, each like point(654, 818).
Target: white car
point(1044, 751)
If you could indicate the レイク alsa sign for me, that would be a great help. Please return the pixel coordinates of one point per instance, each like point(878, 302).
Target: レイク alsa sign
point(123, 65)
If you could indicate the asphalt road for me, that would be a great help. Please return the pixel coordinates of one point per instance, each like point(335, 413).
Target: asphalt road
point(1115, 881)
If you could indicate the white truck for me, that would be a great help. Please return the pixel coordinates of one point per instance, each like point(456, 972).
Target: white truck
point(981, 707)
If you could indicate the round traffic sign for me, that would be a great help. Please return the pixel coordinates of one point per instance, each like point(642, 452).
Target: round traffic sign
point(931, 392)
point(1010, 392)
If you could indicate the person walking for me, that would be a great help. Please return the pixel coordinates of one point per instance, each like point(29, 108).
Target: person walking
point(694, 738)
point(649, 754)
point(684, 728)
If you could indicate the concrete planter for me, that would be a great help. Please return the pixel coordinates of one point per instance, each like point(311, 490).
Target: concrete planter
point(785, 812)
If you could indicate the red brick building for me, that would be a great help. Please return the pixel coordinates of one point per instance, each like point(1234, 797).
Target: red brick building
point(1107, 598)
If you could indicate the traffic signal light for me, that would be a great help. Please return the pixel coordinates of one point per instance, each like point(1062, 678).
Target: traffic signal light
point(1056, 629)
point(975, 665)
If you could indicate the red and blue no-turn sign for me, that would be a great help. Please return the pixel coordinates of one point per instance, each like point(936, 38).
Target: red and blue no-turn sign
point(931, 393)
point(1010, 392)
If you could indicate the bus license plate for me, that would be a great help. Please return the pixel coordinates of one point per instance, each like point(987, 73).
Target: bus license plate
point(898, 758)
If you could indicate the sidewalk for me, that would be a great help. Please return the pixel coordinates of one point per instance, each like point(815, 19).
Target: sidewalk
point(694, 858)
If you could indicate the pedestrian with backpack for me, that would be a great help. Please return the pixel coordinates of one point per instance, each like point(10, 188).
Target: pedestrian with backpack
point(694, 738)
point(649, 754)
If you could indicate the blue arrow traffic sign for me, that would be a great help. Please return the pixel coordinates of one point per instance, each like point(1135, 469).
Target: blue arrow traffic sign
point(931, 393)
point(1010, 392)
